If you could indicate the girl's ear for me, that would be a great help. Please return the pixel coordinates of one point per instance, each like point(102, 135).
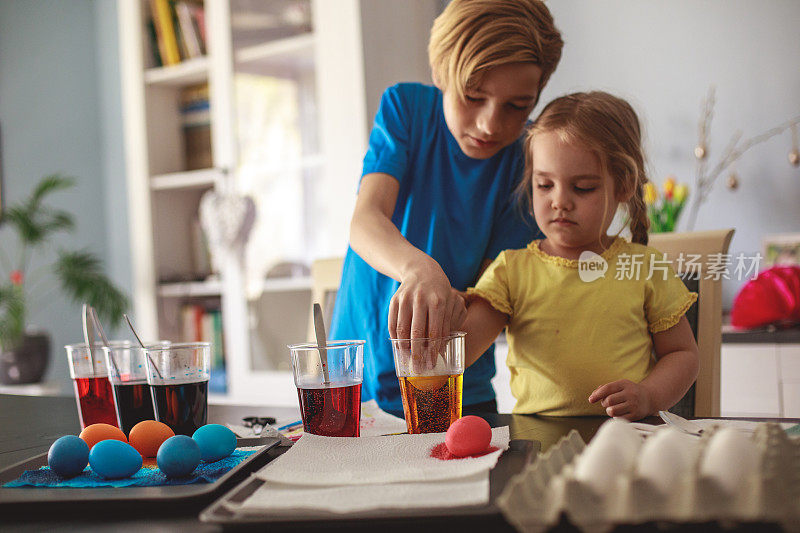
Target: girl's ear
point(622, 196)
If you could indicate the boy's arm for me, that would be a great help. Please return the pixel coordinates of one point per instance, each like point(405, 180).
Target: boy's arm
point(425, 305)
point(483, 324)
point(675, 371)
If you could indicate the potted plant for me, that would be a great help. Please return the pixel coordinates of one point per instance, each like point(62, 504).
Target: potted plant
point(24, 353)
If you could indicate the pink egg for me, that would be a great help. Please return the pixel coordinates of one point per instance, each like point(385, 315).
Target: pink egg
point(468, 436)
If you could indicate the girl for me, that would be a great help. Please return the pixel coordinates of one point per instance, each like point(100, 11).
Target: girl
point(586, 310)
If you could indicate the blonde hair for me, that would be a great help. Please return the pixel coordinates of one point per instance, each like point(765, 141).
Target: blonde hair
point(471, 36)
point(608, 126)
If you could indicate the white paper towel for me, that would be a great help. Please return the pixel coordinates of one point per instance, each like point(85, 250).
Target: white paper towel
point(320, 461)
point(375, 421)
point(276, 498)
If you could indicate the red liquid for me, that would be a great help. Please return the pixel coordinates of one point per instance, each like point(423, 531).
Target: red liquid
point(183, 407)
point(95, 401)
point(133, 403)
point(333, 412)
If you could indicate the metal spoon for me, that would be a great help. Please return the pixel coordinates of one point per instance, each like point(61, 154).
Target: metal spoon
point(332, 418)
point(130, 325)
point(678, 422)
point(88, 331)
point(101, 331)
point(319, 329)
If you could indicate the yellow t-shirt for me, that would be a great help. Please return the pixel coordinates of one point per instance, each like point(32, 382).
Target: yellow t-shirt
point(566, 336)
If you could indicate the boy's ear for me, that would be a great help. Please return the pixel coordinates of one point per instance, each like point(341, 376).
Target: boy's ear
point(435, 79)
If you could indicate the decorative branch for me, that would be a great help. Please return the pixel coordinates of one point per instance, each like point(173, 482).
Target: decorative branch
point(704, 181)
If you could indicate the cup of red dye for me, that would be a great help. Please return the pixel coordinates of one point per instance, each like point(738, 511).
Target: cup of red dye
point(330, 402)
point(93, 394)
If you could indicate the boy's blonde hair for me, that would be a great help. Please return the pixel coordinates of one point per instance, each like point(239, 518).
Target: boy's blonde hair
point(609, 127)
point(471, 36)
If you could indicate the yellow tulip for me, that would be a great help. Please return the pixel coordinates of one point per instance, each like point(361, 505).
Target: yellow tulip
point(681, 192)
point(669, 186)
point(650, 193)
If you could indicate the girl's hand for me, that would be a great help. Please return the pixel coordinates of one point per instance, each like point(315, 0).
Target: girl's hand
point(425, 305)
point(624, 398)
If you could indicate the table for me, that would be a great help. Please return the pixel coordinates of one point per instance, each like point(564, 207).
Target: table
point(28, 425)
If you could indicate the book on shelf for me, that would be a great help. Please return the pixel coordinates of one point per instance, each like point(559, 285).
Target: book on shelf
point(203, 324)
point(190, 35)
point(196, 123)
point(165, 32)
point(178, 31)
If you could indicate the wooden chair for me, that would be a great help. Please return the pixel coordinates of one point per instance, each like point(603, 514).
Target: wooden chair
point(705, 316)
point(326, 274)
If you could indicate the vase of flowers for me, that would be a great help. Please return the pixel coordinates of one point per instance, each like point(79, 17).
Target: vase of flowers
point(24, 352)
point(664, 209)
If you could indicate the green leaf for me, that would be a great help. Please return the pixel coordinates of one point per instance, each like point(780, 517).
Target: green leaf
point(35, 222)
point(49, 184)
point(12, 316)
point(83, 280)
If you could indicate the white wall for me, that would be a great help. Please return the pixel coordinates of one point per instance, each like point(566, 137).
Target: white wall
point(50, 113)
point(663, 56)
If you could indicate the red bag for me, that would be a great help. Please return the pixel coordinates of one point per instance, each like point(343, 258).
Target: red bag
point(773, 296)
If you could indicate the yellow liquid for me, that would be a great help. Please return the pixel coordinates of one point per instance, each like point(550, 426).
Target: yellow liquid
point(431, 403)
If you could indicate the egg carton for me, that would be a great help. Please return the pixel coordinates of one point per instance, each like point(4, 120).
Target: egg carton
point(725, 476)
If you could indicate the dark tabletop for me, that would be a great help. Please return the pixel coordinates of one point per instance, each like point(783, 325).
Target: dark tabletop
point(28, 425)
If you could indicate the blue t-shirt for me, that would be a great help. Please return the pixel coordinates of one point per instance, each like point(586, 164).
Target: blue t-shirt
point(457, 209)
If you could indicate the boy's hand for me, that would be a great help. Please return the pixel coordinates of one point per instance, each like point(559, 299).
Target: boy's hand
point(425, 305)
point(624, 399)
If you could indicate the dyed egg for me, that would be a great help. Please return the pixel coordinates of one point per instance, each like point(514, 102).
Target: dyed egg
point(178, 456)
point(112, 459)
point(68, 456)
point(97, 432)
point(215, 442)
point(148, 435)
point(468, 435)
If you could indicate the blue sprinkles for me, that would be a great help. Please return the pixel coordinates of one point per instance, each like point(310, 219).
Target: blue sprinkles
point(145, 477)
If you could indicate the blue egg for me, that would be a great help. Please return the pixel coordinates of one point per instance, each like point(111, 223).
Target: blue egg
point(178, 456)
point(114, 459)
point(68, 456)
point(215, 442)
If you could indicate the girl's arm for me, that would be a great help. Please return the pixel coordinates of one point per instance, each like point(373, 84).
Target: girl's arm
point(675, 370)
point(425, 305)
point(483, 324)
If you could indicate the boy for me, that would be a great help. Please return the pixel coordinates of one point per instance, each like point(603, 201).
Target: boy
point(435, 202)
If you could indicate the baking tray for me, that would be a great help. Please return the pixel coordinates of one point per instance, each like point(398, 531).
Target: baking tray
point(513, 460)
point(23, 501)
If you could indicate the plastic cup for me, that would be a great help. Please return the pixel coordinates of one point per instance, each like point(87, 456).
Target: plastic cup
point(430, 371)
point(178, 375)
point(93, 394)
point(332, 407)
point(127, 372)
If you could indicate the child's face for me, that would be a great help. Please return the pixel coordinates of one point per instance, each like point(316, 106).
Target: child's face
point(573, 199)
point(494, 113)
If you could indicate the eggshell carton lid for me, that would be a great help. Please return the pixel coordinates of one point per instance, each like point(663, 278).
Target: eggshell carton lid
point(535, 498)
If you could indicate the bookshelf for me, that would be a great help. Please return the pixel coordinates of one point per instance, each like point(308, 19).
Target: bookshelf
point(292, 86)
point(191, 71)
